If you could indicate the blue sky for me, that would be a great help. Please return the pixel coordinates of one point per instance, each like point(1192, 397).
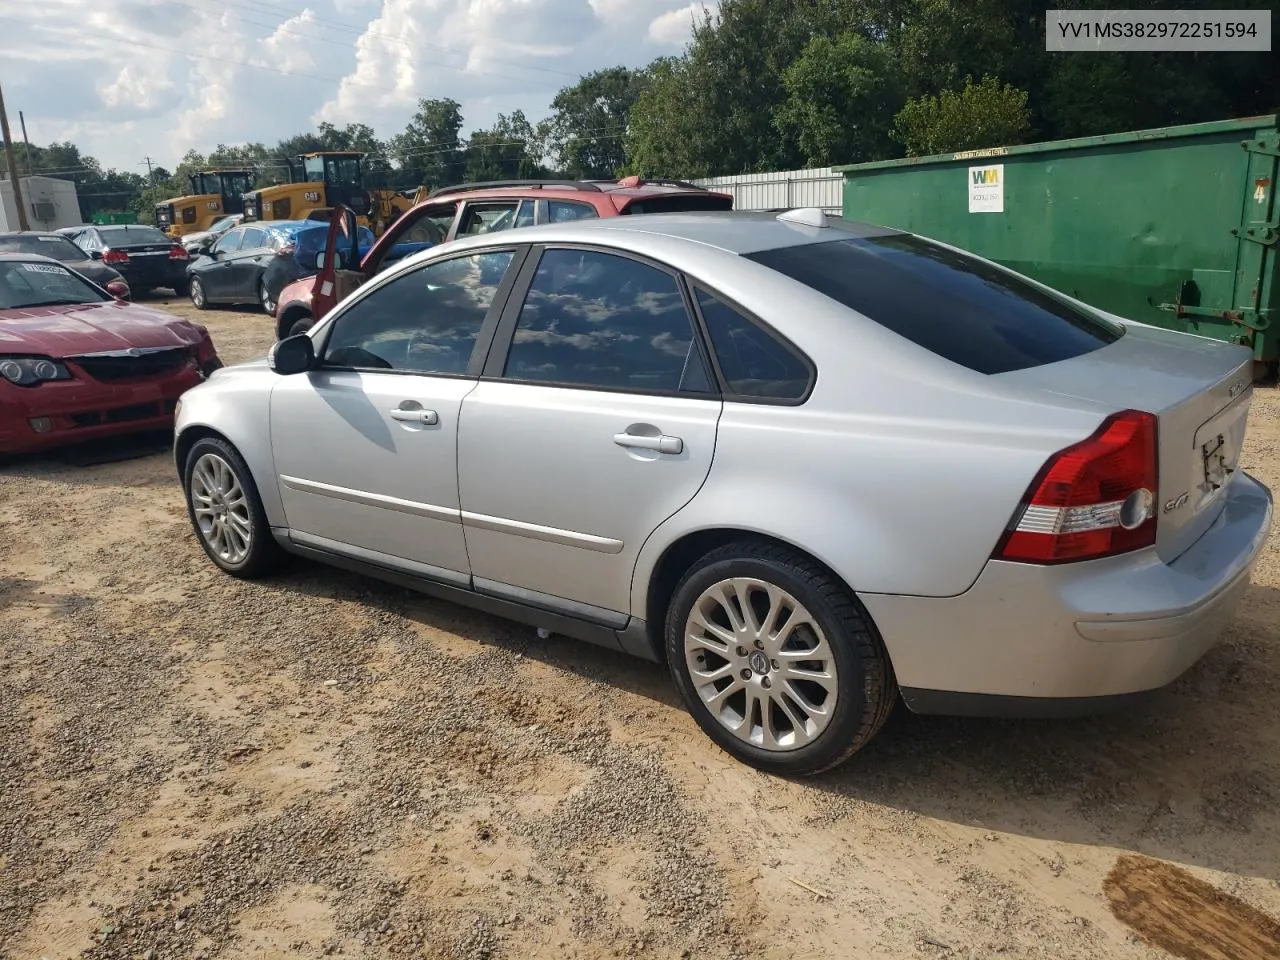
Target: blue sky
point(125, 79)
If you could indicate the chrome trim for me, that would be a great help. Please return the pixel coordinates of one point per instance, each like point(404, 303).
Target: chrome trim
point(535, 531)
point(364, 498)
point(133, 352)
point(413, 567)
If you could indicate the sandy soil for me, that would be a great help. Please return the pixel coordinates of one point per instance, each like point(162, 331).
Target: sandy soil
point(192, 766)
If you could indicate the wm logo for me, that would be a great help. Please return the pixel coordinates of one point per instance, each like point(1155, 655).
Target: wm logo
point(988, 177)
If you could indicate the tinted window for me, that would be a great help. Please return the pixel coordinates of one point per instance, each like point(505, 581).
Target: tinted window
point(558, 211)
point(60, 248)
point(524, 216)
point(753, 362)
point(121, 236)
point(679, 202)
point(947, 302)
point(253, 238)
point(488, 218)
point(426, 321)
point(597, 320)
point(229, 242)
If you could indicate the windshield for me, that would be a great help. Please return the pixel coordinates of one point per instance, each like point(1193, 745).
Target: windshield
point(951, 303)
point(28, 284)
point(60, 248)
point(343, 170)
point(118, 236)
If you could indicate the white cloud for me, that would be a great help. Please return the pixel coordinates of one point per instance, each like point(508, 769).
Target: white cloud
point(129, 78)
point(675, 27)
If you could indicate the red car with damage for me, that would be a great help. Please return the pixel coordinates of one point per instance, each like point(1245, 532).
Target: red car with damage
point(79, 363)
point(468, 209)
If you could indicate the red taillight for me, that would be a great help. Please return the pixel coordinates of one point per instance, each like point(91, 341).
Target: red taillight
point(1093, 499)
point(114, 256)
point(287, 250)
point(178, 252)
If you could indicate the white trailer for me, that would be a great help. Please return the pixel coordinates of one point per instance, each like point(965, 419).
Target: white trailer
point(51, 203)
point(782, 190)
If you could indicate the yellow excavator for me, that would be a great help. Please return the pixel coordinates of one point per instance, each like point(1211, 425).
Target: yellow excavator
point(214, 194)
point(320, 181)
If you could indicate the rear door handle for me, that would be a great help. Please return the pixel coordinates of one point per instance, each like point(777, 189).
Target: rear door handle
point(427, 417)
point(662, 444)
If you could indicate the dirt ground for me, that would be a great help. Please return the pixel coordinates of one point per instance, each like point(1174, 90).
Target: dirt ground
point(193, 766)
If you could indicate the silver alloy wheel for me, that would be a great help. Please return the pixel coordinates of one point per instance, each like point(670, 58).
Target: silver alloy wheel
point(264, 297)
point(197, 292)
point(221, 508)
point(760, 663)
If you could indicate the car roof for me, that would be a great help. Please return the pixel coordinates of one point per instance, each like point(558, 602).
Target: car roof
point(734, 231)
point(582, 190)
point(31, 233)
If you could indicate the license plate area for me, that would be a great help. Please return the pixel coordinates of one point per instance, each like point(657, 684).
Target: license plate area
point(1217, 451)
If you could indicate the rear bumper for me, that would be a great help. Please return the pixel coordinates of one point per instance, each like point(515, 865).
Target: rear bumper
point(1028, 640)
point(78, 411)
point(169, 273)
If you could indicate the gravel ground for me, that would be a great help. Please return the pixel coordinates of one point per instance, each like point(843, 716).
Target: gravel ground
point(192, 766)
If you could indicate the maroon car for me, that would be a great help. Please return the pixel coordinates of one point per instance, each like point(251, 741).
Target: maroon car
point(76, 363)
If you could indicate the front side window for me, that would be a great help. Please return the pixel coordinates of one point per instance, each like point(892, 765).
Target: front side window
point(229, 242)
point(488, 218)
point(426, 321)
point(28, 284)
point(253, 238)
point(753, 362)
point(948, 302)
point(524, 216)
point(561, 211)
point(599, 320)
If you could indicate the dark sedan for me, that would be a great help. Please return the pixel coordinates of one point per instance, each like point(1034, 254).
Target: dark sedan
point(254, 262)
point(60, 249)
point(144, 256)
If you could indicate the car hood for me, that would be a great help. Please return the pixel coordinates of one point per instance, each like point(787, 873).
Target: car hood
point(68, 331)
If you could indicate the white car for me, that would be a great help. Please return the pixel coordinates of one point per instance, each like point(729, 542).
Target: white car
point(812, 465)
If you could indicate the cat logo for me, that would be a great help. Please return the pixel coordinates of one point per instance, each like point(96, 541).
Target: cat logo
point(1175, 504)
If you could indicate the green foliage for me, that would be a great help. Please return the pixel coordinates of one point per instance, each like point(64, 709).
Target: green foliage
point(585, 132)
point(986, 114)
point(506, 151)
point(429, 151)
point(666, 128)
point(842, 95)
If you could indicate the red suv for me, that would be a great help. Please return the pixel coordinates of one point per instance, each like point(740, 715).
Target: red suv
point(472, 208)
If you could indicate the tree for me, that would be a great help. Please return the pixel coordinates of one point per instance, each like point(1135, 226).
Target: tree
point(665, 128)
point(842, 95)
point(986, 114)
point(428, 152)
point(506, 151)
point(585, 132)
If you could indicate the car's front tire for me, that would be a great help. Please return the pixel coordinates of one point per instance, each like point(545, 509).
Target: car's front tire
point(776, 659)
point(301, 325)
point(198, 297)
point(264, 297)
point(226, 511)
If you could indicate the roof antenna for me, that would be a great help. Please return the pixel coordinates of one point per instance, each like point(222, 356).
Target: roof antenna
point(808, 216)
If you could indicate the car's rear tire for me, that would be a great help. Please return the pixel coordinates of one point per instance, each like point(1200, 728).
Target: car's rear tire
point(797, 685)
point(226, 511)
point(265, 298)
point(198, 297)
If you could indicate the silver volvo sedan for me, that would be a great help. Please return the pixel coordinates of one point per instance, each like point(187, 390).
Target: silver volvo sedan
point(812, 465)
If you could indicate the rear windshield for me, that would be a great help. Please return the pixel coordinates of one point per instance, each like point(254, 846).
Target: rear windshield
point(140, 234)
point(679, 203)
point(60, 248)
point(948, 302)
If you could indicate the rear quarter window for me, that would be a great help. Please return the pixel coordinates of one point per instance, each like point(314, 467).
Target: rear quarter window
point(948, 302)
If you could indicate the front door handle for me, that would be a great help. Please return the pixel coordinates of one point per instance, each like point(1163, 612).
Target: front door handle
point(427, 417)
point(662, 444)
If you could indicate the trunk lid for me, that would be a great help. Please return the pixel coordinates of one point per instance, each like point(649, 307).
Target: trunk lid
point(1200, 391)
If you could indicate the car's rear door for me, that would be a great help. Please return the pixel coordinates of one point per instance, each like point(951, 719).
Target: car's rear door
point(595, 422)
point(246, 264)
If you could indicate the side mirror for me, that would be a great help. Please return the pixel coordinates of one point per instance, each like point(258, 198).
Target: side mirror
point(320, 260)
point(95, 254)
point(118, 289)
point(204, 249)
point(296, 354)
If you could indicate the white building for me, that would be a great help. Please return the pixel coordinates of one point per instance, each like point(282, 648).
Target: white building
point(51, 203)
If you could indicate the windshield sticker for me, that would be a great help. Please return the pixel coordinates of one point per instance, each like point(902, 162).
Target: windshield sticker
point(45, 268)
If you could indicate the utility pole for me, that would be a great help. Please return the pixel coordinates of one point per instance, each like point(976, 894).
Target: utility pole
point(150, 179)
point(13, 168)
point(22, 121)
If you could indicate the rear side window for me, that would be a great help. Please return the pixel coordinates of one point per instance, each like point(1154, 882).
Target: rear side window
point(947, 302)
point(753, 362)
point(598, 320)
point(679, 203)
point(558, 211)
point(254, 238)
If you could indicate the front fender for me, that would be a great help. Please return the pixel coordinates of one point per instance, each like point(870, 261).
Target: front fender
point(236, 404)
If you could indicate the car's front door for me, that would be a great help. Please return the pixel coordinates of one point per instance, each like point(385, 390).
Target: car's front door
point(215, 273)
point(365, 444)
point(244, 267)
point(594, 423)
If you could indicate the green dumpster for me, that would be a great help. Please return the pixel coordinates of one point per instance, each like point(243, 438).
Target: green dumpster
point(104, 218)
point(1175, 226)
